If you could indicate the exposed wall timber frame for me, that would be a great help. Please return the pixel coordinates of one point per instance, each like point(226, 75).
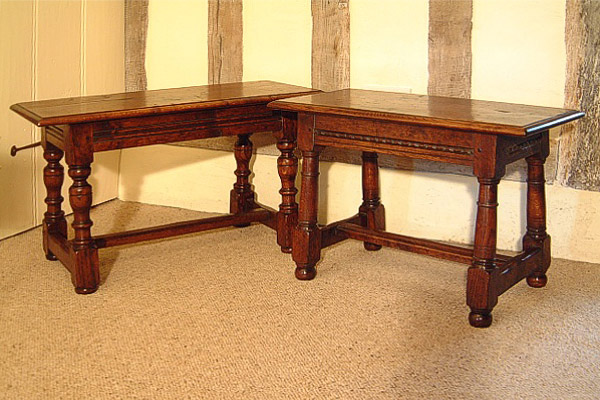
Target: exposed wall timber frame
point(442, 35)
point(450, 70)
point(579, 146)
point(449, 67)
point(330, 44)
point(226, 64)
point(450, 27)
point(331, 71)
point(225, 41)
point(330, 68)
point(136, 32)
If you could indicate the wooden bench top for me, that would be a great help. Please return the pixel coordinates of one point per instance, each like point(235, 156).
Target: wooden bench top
point(441, 112)
point(153, 102)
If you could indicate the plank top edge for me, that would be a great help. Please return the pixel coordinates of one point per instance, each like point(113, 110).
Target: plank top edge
point(95, 108)
point(432, 111)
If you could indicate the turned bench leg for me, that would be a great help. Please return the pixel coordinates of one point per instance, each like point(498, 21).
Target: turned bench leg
point(287, 167)
point(371, 211)
point(481, 293)
point(536, 236)
point(306, 249)
point(242, 195)
point(83, 253)
point(54, 217)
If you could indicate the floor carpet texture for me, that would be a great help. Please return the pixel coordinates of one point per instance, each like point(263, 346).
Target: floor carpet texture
point(219, 315)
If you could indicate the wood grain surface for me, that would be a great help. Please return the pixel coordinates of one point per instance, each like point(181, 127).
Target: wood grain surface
point(152, 102)
point(445, 112)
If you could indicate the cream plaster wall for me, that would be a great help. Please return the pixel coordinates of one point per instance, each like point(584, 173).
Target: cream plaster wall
point(16, 83)
point(176, 56)
point(52, 49)
point(177, 43)
point(434, 206)
point(388, 51)
point(388, 45)
point(519, 51)
point(277, 41)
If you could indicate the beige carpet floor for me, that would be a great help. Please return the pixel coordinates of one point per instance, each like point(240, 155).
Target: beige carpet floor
point(219, 315)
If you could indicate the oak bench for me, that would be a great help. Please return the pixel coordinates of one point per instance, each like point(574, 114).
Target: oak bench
point(481, 134)
point(80, 126)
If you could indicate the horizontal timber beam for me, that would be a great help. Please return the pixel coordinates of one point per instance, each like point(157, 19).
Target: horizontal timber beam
point(415, 245)
point(180, 228)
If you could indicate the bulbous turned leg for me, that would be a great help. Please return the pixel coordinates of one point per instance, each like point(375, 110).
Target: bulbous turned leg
point(371, 211)
point(287, 167)
point(536, 236)
point(481, 290)
point(306, 249)
point(54, 217)
point(83, 253)
point(242, 195)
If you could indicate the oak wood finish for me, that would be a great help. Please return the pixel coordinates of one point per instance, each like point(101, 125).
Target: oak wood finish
point(407, 243)
point(371, 211)
point(54, 217)
point(287, 166)
point(307, 232)
point(536, 236)
point(485, 136)
point(463, 115)
point(242, 195)
point(182, 228)
point(108, 107)
point(78, 127)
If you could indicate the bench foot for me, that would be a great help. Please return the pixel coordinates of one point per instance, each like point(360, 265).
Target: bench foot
point(371, 246)
point(305, 273)
point(537, 280)
point(480, 318)
point(85, 290)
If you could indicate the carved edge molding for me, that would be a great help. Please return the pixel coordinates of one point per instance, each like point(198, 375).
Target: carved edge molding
point(397, 142)
point(525, 147)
